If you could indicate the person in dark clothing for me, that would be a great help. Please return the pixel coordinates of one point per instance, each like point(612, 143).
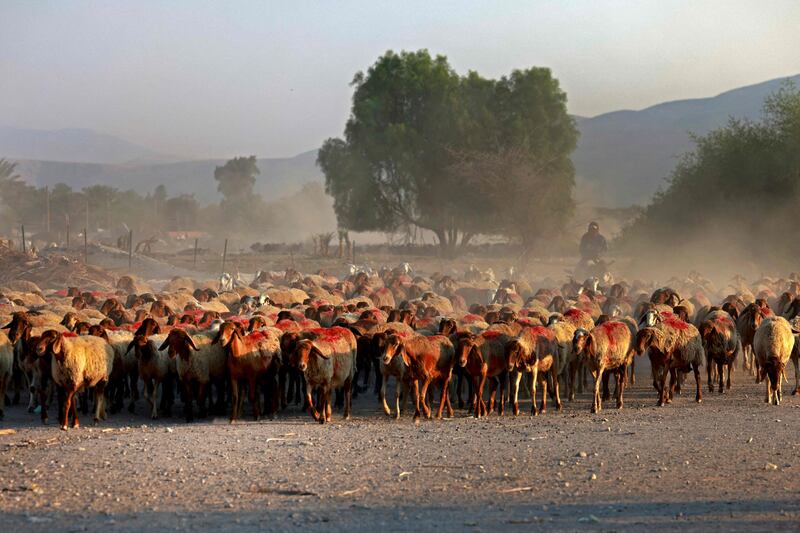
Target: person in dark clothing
point(593, 244)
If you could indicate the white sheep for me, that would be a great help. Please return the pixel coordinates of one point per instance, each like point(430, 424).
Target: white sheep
point(78, 362)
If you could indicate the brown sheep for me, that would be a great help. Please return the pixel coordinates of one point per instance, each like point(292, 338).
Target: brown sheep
point(328, 362)
point(536, 351)
point(255, 358)
point(722, 345)
point(427, 360)
point(673, 346)
point(606, 347)
point(483, 357)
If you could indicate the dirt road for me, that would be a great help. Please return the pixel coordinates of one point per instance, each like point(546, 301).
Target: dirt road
point(731, 461)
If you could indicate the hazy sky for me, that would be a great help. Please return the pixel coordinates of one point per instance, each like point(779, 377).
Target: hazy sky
point(272, 78)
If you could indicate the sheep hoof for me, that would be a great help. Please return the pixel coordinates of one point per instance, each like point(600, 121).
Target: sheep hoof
point(64, 428)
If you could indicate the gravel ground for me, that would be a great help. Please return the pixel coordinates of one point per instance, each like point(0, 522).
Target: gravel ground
point(731, 461)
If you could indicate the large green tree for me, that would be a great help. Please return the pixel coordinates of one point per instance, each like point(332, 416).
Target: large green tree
point(418, 135)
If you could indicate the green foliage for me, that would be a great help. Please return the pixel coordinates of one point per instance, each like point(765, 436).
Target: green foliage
point(741, 183)
point(419, 136)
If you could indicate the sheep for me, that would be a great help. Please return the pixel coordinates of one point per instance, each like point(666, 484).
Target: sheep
point(773, 343)
point(6, 369)
point(606, 347)
point(154, 367)
point(673, 345)
point(426, 360)
point(328, 361)
point(78, 362)
point(198, 363)
point(254, 357)
point(747, 323)
point(535, 350)
point(722, 345)
point(126, 368)
point(483, 356)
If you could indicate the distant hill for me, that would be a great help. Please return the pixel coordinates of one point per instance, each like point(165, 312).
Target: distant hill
point(73, 145)
point(623, 156)
point(278, 176)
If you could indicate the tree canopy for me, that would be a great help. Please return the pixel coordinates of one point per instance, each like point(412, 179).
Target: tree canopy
point(740, 186)
point(417, 143)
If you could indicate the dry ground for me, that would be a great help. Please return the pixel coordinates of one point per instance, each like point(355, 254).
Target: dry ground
point(731, 461)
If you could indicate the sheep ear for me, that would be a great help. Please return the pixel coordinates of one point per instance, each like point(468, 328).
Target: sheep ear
point(318, 352)
point(191, 343)
point(164, 345)
point(57, 345)
point(130, 345)
point(8, 326)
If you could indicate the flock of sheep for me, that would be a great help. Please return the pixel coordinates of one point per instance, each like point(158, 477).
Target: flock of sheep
point(317, 340)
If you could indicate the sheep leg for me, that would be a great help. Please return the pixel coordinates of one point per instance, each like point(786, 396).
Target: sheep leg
point(698, 397)
point(399, 386)
point(721, 375)
point(68, 398)
point(573, 370)
point(154, 397)
point(515, 379)
point(543, 408)
point(310, 402)
point(415, 391)
point(445, 398)
point(254, 398)
point(188, 399)
point(606, 393)
point(476, 407)
point(480, 405)
point(502, 407)
point(424, 399)
point(492, 394)
point(532, 379)
point(633, 370)
point(348, 398)
point(382, 395)
point(234, 399)
point(598, 382)
point(328, 406)
point(459, 387)
point(796, 374)
point(556, 391)
point(620, 376)
point(282, 387)
point(663, 394)
point(673, 378)
point(99, 402)
point(43, 393)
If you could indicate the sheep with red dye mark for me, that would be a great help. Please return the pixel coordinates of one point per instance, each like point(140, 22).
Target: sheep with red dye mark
point(773, 343)
point(606, 347)
point(256, 358)
point(483, 357)
point(327, 359)
point(722, 345)
point(537, 352)
point(673, 346)
point(425, 360)
point(78, 362)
